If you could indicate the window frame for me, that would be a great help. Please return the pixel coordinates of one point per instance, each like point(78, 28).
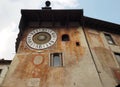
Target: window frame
point(52, 60)
point(110, 39)
point(116, 58)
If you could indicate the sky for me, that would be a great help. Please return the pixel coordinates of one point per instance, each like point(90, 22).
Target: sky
point(107, 10)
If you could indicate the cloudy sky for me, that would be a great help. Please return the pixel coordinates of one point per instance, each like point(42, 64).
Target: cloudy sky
point(108, 10)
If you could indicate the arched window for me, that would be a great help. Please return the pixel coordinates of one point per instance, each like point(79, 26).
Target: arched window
point(65, 37)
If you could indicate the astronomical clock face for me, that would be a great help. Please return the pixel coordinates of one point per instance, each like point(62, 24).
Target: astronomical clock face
point(41, 38)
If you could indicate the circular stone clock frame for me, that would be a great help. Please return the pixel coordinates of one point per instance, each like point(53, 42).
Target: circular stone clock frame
point(41, 38)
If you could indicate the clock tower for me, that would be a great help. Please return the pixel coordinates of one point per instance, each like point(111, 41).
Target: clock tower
point(52, 51)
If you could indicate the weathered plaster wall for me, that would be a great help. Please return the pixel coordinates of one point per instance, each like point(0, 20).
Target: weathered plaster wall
point(103, 55)
point(31, 68)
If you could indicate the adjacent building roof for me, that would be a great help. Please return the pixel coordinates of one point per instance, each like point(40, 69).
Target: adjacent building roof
point(101, 25)
point(5, 62)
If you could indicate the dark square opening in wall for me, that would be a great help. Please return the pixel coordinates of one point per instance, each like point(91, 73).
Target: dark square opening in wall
point(77, 44)
point(65, 37)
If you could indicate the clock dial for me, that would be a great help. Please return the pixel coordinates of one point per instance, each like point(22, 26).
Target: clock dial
point(41, 38)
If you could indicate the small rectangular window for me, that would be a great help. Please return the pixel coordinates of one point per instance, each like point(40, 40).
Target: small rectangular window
point(56, 60)
point(109, 39)
point(117, 55)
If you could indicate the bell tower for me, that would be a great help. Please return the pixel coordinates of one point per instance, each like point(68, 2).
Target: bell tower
point(47, 5)
point(51, 51)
